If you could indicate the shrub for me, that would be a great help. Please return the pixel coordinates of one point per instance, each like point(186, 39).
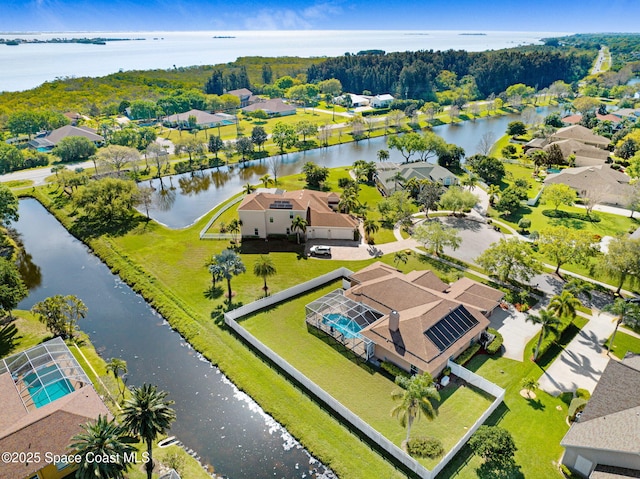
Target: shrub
point(425, 447)
point(394, 370)
point(583, 394)
point(567, 472)
point(576, 406)
point(344, 182)
point(468, 353)
point(496, 344)
point(524, 224)
point(571, 215)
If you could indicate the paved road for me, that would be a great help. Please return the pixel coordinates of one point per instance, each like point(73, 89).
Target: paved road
point(581, 364)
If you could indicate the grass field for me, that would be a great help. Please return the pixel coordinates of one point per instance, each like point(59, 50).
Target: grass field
point(624, 343)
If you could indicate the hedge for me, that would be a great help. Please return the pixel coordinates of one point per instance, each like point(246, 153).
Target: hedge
point(468, 353)
point(394, 370)
point(425, 447)
point(496, 344)
point(572, 215)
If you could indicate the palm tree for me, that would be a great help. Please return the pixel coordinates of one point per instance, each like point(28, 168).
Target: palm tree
point(415, 401)
point(400, 257)
point(549, 323)
point(116, 366)
point(234, 227)
point(383, 155)
point(625, 312)
point(493, 191)
point(248, 189)
point(266, 180)
point(299, 225)
point(348, 201)
point(564, 304)
point(529, 385)
point(470, 181)
point(577, 286)
point(146, 415)
point(230, 265)
point(102, 438)
point(370, 227)
point(263, 268)
point(396, 178)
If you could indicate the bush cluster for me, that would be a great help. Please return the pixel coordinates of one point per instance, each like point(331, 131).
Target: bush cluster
point(583, 393)
point(425, 447)
point(468, 353)
point(496, 344)
point(394, 370)
point(593, 218)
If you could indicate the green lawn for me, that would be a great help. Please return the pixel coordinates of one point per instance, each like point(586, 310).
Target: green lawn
point(357, 386)
point(624, 343)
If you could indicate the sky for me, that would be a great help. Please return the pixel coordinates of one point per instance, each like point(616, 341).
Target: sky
point(218, 15)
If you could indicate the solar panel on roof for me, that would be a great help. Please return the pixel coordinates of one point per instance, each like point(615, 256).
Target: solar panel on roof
point(451, 328)
point(281, 205)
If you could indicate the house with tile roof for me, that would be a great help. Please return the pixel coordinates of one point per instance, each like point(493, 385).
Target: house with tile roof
point(611, 186)
point(415, 320)
point(421, 170)
point(45, 397)
point(245, 96)
point(270, 214)
point(583, 155)
point(273, 107)
point(581, 134)
point(202, 119)
point(604, 443)
point(47, 141)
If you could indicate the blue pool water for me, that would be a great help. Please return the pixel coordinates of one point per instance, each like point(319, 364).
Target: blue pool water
point(553, 170)
point(56, 386)
point(348, 327)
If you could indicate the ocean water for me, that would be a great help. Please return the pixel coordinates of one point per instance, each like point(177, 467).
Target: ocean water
point(29, 65)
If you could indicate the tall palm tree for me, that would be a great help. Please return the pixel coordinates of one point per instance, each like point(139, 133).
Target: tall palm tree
point(248, 189)
point(400, 257)
point(549, 323)
point(370, 227)
point(299, 225)
point(470, 181)
point(116, 366)
point(230, 265)
point(263, 268)
point(102, 438)
point(383, 155)
point(493, 191)
point(266, 180)
point(397, 178)
point(625, 312)
point(415, 401)
point(564, 304)
point(146, 415)
point(577, 287)
point(348, 200)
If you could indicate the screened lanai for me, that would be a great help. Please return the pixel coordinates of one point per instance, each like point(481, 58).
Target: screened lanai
point(44, 373)
point(343, 319)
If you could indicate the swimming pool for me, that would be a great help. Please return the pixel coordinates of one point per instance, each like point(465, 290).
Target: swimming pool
point(348, 327)
point(55, 387)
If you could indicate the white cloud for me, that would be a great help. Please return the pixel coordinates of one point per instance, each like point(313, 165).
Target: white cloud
point(288, 19)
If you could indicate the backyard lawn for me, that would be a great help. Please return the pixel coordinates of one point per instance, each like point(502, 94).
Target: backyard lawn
point(356, 385)
point(624, 343)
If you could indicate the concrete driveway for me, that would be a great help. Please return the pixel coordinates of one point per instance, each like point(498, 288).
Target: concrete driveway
point(581, 363)
point(476, 237)
point(515, 330)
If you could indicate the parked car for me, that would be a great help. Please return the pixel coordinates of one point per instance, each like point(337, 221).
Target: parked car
point(319, 250)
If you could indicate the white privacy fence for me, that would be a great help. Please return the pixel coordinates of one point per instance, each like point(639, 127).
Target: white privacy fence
point(203, 231)
point(391, 451)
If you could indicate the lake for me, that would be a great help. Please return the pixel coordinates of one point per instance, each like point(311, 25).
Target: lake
point(181, 199)
point(29, 65)
point(222, 424)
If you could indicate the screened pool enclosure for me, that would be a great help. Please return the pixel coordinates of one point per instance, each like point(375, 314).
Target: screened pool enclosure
point(343, 319)
point(44, 373)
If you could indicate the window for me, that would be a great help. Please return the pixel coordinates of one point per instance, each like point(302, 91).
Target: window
point(290, 215)
point(288, 231)
point(255, 232)
point(271, 219)
point(414, 370)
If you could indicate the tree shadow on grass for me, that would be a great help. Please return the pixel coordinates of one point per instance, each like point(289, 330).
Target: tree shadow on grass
point(87, 227)
point(8, 339)
point(214, 292)
point(499, 470)
point(536, 404)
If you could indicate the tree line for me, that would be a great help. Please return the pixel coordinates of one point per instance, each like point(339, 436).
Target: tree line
point(414, 74)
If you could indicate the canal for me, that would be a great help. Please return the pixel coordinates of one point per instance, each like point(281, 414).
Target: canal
point(181, 199)
point(224, 426)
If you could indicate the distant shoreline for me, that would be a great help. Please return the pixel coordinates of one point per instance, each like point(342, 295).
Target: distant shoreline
point(88, 41)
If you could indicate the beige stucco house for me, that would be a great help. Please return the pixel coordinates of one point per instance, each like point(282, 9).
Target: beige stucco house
point(265, 214)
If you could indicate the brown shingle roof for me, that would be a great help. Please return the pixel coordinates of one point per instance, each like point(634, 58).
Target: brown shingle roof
point(387, 293)
point(427, 279)
point(373, 271)
point(68, 130)
point(580, 133)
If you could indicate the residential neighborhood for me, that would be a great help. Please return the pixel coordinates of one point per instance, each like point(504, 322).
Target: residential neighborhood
point(403, 264)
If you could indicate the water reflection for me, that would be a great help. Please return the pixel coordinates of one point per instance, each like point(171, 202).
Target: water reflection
point(30, 272)
point(198, 196)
